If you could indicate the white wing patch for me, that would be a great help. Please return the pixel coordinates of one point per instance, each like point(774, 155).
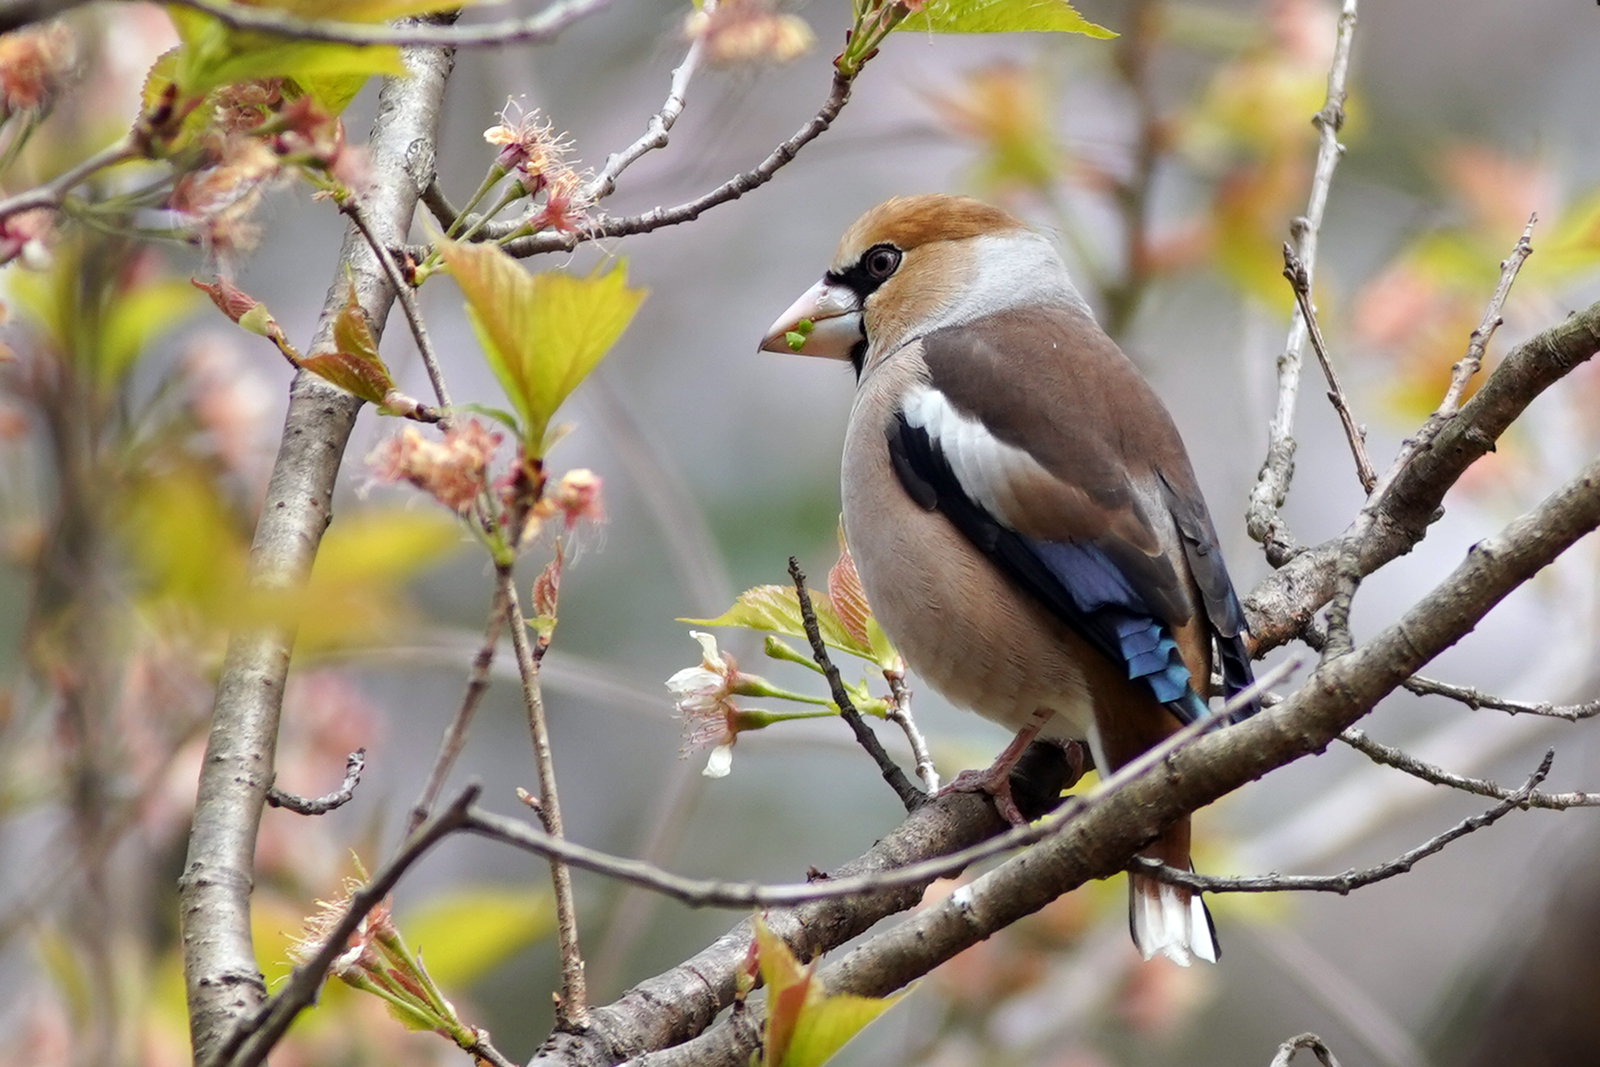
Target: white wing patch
point(986, 467)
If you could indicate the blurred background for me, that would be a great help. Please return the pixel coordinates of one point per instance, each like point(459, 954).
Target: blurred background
point(1168, 163)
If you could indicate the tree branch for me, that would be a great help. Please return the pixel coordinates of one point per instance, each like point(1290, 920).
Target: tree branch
point(536, 29)
point(251, 1041)
point(1389, 756)
point(1315, 1044)
point(1300, 282)
point(1350, 880)
point(1475, 699)
point(732, 189)
point(1272, 484)
point(903, 787)
point(354, 764)
point(1100, 840)
point(1281, 606)
point(224, 987)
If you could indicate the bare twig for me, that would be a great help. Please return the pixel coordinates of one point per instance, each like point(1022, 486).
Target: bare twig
point(1351, 879)
point(52, 192)
point(903, 787)
point(1272, 484)
point(536, 29)
point(708, 893)
point(1468, 364)
point(408, 304)
point(1310, 1042)
point(732, 189)
point(572, 1008)
point(354, 764)
point(1475, 699)
point(455, 735)
point(1403, 761)
point(1280, 607)
point(483, 1049)
point(1300, 281)
point(900, 714)
point(254, 1036)
point(655, 135)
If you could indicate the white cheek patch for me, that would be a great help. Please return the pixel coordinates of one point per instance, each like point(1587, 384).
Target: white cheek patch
point(986, 468)
point(1013, 270)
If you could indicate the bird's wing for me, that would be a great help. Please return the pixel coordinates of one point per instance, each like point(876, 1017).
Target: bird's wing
point(1015, 446)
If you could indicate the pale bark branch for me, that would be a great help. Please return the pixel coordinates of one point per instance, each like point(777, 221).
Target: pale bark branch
point(224, 987)
point(1099, 841)
point(1272, 483)
point(536, 29)
point(1389, 756)
point(354, 764)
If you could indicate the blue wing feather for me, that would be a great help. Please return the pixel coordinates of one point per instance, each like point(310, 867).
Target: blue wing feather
point(1078, 581)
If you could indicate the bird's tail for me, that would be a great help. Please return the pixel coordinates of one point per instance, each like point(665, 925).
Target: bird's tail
point(1170, 919)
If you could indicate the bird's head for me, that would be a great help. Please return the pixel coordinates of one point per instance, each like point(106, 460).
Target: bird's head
point(915, 264)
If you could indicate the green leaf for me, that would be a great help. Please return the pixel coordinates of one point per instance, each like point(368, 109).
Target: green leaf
point(212, 54)
point(776, 609)
point(1001, 16)
point(332, 92)
point(542, 334)
point(804, 1025)
point(354, 365)
point(826, 1023)
point(468, 933)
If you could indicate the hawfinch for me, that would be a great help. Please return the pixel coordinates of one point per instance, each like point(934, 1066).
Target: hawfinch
point(1022, 512)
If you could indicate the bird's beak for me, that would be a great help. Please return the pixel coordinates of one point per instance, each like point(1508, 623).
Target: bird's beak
point(825, 321)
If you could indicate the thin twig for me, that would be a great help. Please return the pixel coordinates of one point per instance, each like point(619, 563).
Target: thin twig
point(1311, 1042)
point(1475, 699)
point(903, 787)
point(52, 192)
point(354, 764)
point(732, 189)
point(1348, 572)
point(700, 893)
point(254, 1036)
point(532, 30)
point(455, 735)
point(408, 304)
point(483, 1049)
point(572, 1007)
point(899, 713)
point(1468, 364)
point(1389, 756)
point(1272, 484)
point(655, 135)
point(1351, 879)
point(1300, 281)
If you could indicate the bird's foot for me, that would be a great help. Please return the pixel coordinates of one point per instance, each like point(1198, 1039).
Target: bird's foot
point(996, 781)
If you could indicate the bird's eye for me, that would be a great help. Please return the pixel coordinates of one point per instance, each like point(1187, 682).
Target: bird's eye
point(881, 261)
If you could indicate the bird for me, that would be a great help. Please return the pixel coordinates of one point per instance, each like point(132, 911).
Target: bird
point(1022, 512)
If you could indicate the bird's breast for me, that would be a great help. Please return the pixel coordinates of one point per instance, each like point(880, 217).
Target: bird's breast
point(958, 621)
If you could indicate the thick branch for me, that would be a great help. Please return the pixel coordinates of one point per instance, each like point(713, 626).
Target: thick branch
point(1281, 606)
point(1101, 840)
point(544, 26)
point(224, 987)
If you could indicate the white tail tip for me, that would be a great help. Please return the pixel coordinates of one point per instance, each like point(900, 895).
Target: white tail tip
point(1171, 920)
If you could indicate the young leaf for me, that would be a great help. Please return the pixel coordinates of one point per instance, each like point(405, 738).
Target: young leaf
point(1001, 16)
point(542, 334)
point(354, 364)
point(805, 1026)
point(776, 609)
